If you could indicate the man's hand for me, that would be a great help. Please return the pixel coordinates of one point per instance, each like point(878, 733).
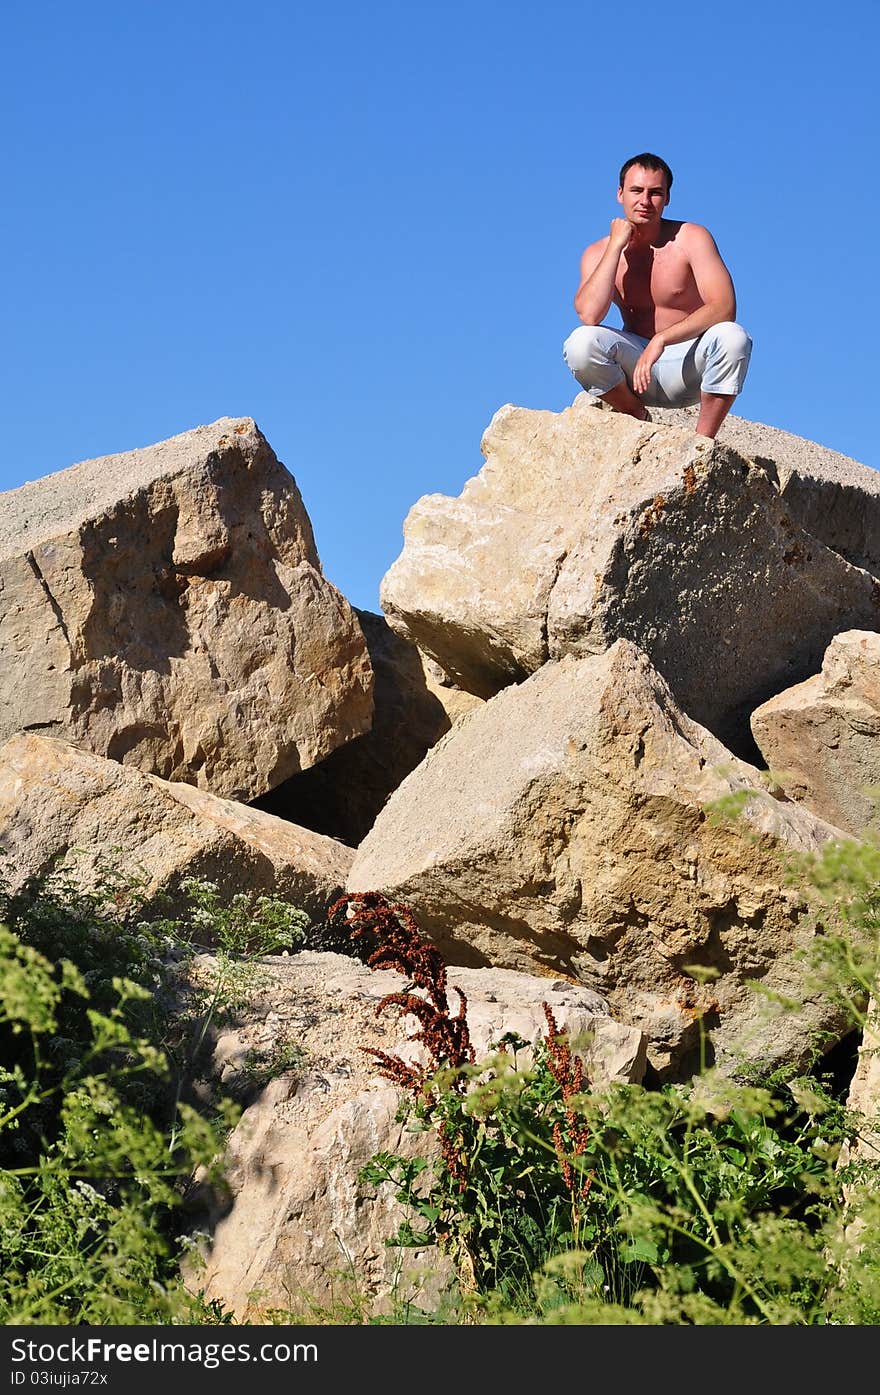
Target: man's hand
point(642, 370)
point(621, 232)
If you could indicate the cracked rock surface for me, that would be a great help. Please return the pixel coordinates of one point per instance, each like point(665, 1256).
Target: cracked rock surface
point(166, 608)
point(586, 526)
point(565, 828)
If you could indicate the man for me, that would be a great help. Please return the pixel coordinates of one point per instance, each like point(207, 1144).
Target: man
point(679, 344)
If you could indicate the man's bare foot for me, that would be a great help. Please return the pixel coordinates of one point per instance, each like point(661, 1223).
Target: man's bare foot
point(623, 399)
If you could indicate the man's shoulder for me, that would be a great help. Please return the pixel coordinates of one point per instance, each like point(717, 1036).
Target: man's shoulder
point(694, 234)
point(592, 255)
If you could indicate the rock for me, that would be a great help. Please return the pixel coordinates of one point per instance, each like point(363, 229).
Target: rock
point(831, 496)
point(504, 1000)
point(863, 1099)
point(821, 738)
point(298, 1230)
point(166, 608)
point(455, 701)
point(864, 1091)
point(342, 795)
point(562, 829)
point(586, 526)
point(57, 801)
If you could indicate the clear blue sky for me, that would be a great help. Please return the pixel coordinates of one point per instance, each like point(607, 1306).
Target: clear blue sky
point(361, 223)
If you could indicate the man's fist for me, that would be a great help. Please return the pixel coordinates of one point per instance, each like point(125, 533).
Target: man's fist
point(621, 232)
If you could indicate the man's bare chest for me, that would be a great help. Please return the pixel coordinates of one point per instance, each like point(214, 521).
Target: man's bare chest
point(657, 279)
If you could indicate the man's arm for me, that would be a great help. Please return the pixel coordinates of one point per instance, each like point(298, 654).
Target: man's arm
point(716, 292)
point(598, 272)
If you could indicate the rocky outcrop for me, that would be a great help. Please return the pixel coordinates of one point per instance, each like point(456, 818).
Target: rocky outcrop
point(609, 599)
point(412, 709)
point(821, 738)
point(166, 608)
point(297, 1230)
point(563, 828)
point(831, 496)
point(58, 802)
point(586, 526)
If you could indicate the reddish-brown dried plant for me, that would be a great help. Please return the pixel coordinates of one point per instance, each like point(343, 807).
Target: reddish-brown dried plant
point(568, 1072)
point(390, 938)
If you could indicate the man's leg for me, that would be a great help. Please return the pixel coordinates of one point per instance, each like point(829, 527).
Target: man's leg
point(710, 370)
point(714, 407)
point(602, 360)
point(722, 357)
point(623, 399)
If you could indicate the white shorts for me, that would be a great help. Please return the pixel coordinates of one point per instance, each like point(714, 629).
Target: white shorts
point(717, 361)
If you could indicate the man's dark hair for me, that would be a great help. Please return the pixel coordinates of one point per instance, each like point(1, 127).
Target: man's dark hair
point(648, 162)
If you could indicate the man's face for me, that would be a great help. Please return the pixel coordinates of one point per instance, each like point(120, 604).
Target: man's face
point(644, 195)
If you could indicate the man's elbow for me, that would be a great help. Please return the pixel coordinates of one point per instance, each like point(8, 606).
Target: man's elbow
point(585, 312)
point(724, 310)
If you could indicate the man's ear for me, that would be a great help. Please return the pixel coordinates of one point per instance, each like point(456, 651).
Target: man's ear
point(620, 195)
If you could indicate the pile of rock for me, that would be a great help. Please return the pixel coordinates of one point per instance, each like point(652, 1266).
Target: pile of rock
point(615, 626)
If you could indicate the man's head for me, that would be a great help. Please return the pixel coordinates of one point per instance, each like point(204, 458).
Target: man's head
point(647, 162)
point(645, 181)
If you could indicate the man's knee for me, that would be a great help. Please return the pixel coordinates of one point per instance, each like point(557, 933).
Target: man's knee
point(591, 353)
point(584, 348)
point(724, 355)
point(731, 340)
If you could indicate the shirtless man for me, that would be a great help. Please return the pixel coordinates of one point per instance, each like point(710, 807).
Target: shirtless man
point(679, 344)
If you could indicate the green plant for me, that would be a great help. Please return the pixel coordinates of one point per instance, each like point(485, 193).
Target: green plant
point(244, 923)
point(90, 1183)
point(261, 1065)
point(241, 932)
point(97, 1147)
point(712, 1202)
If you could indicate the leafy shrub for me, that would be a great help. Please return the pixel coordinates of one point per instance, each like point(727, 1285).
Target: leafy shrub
point(97, 1149)
point(711, 1202)
point(89, 1183)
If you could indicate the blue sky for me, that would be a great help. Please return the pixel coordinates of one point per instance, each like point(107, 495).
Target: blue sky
point(361, 224)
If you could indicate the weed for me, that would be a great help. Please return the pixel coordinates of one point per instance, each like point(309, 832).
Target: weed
point(97, 1148)
point(709, 1203)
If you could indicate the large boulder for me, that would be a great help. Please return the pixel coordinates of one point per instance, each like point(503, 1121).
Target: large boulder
point(297, 1231)
point(586, 526)
point(412, 709)
point(821, 738)
point(59, 804)
point(563, 828)
point(831, 496)
point(166, 608)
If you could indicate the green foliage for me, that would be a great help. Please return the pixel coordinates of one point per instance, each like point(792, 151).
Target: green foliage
point(241, 924)
point(89, 1182)
point(713, 1202)
point(97, 1148)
